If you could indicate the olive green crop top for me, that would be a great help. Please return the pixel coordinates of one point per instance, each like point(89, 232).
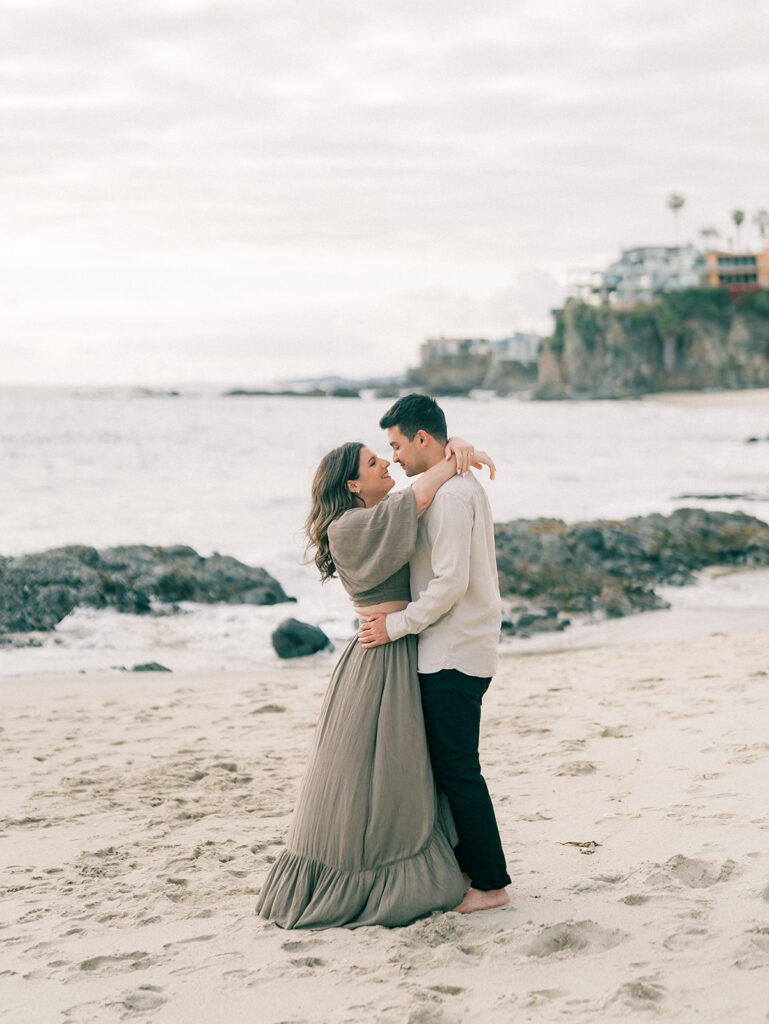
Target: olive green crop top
point(371, 548)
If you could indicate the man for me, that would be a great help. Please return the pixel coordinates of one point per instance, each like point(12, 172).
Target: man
point(455, 609)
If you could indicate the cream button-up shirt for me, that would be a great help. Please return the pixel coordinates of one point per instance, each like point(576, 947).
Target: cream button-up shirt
point(455, 606)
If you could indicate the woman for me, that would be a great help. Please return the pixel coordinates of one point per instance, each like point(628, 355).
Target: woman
point(371, 841)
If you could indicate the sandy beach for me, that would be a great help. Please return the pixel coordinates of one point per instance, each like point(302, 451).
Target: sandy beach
point(739, 399)
point(140, 814)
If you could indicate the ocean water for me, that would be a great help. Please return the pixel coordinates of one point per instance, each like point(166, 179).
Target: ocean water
point(112, 466)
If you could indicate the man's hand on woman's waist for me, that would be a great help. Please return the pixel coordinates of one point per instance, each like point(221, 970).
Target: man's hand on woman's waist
point(373, 632)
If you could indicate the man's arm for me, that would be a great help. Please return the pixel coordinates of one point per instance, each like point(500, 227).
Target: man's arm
point(449, 532)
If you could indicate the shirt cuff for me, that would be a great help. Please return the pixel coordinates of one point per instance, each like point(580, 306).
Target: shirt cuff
point(395, 624)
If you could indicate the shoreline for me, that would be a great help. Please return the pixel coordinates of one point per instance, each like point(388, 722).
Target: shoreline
point(366, 393)
point(723, 599)
point(699, 609)
point(141, 814)
point(746, 397)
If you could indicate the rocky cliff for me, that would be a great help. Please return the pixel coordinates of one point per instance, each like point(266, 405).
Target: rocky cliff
point(458, 374)
point(692, 339)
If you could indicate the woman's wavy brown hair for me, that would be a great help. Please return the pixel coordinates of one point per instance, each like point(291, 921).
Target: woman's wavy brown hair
point(330, 498)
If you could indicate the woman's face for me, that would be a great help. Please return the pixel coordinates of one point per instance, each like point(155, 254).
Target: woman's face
point(374, 480)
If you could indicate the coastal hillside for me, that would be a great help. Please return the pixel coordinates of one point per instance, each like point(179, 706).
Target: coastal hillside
point(461, 365)
point(691, 339)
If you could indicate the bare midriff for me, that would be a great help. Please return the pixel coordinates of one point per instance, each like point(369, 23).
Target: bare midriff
point(385, 608)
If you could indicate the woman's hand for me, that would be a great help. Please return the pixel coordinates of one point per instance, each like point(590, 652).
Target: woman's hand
point(481, 458)
point(463, 451)
point(467, 456)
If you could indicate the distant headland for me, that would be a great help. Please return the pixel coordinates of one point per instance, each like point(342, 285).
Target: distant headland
point(660, 318)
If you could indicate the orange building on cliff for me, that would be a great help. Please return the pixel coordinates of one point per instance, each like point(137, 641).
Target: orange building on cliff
point(738, 271)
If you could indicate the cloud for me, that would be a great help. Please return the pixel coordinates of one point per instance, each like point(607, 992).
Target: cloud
point(156, 146)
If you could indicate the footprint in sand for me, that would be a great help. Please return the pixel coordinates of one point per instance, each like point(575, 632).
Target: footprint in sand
point(429, 1015)
point(117, 963)
point(596, 883)
point(690, 872)
point(759, 936)
point(577, 768)
point(541, 996)
point(686, 938)
point(299, 945)
point(85, 1013)
point(308, 961)
point(433, 940)
point(143, 999)
point(641, 994)
point(436, 931)
point(754, 952)
point(615, 732)
point(447, 990)
point(572, 938)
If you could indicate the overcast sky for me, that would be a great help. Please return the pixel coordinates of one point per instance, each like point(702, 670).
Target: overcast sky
point(239, 191)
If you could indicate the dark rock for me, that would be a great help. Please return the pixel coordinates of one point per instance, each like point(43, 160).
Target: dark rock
point(295, 639)
point(284, 393)
point(38, 591)
point(150, 666)
point(16, 641)
point(343, 392)
point(153, 393)
point(611, 568)
point(524, 620)
point(741, 496)
point(591, 537)
point(528, 624)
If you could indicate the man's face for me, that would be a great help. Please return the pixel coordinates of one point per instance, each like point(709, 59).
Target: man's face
point(409, 454)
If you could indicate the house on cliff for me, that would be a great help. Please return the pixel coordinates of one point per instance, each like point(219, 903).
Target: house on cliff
point(519, 346)
point(644, 272)
point(738, 271)
point(459, 365)
point(640, 274)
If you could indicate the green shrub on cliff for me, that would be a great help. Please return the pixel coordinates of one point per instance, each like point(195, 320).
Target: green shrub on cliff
point(587, 321)
point(753, 302)
point(694, 338)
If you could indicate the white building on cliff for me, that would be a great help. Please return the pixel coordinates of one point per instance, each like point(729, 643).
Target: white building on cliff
point(641, 273)
point(519, 347)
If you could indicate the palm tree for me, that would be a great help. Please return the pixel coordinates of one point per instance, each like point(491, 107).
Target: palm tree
point(738, 216)
point(675, 202)
point(761, 219)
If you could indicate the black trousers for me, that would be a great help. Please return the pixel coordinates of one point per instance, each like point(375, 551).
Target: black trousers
point(451, 702)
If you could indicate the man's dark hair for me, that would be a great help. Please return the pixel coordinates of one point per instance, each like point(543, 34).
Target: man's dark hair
point(416, 412)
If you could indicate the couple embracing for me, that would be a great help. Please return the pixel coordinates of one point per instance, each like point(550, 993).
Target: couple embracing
point(394, 819)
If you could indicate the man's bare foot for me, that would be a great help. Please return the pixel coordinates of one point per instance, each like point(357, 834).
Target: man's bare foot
point(482, 899)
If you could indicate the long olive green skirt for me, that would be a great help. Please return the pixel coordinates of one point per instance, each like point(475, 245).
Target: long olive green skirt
point(371, 841)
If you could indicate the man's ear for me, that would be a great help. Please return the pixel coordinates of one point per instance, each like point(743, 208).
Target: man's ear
point(422, 437)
